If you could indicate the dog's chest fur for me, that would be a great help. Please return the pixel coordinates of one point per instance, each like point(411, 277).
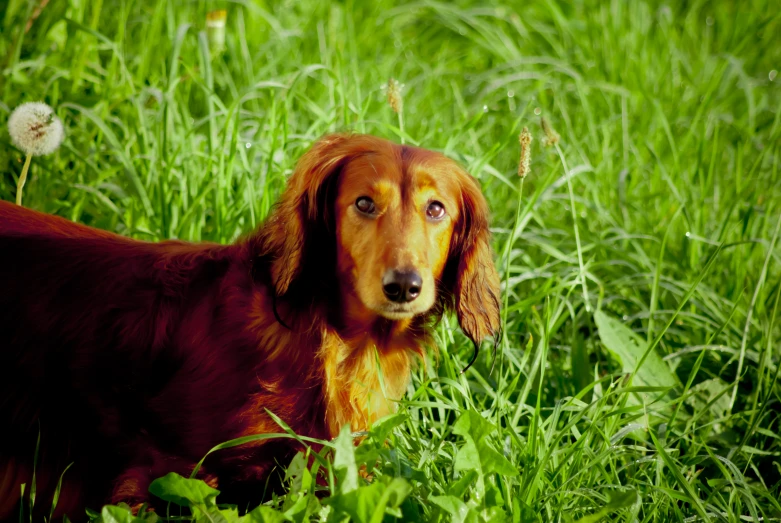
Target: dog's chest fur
point(319, 379)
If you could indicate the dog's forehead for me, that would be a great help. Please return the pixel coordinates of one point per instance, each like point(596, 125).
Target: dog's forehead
point(401, 168)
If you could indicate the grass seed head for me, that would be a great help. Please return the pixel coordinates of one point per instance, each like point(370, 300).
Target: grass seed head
point(551, 136)
point(35, 129)
point(394, 96)
point(524, 166)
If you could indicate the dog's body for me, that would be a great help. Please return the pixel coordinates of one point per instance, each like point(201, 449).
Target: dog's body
point(136, 349)
point(134, 359)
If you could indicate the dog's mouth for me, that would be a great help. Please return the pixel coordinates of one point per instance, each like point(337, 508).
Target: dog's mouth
point(397, 311)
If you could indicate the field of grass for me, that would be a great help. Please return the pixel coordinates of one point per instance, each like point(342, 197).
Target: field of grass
point(638, 379)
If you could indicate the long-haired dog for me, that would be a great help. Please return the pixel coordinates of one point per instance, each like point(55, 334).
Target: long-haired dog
point(132, 359)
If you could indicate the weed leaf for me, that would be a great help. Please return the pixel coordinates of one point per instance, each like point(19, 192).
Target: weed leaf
point(628, 347)
point(184, 492)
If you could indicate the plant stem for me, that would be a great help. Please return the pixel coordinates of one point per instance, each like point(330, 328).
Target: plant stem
point(575, 226)
point(507, 249)
point(22, 179)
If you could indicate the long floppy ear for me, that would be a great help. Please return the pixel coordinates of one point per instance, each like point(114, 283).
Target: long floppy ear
point(301, 220)
point(476, 288)
point(285, 234)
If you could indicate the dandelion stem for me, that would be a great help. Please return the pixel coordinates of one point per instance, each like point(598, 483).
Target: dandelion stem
point(22, 179)
point(401, 126)
point(575, 226)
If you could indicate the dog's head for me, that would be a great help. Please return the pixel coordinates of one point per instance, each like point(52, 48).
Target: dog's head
point(397, 231)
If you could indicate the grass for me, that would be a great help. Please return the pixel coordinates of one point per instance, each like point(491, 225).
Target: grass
point(655, 400)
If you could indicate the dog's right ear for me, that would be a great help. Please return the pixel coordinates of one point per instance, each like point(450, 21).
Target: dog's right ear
point(302, 210)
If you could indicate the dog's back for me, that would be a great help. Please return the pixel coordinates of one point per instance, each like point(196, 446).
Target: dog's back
point(86, 326)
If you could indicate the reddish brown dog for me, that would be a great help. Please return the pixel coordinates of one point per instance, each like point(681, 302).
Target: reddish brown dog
point(133, 359)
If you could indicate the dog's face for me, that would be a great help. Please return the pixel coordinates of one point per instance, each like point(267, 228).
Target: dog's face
point(407, 230)
point(395, 213)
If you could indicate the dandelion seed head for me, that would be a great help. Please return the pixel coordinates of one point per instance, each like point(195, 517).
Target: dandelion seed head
point(524, 166)
point(35, 129)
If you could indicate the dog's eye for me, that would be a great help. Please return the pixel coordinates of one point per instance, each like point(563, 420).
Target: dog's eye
point(435, 211)
point(365, 205)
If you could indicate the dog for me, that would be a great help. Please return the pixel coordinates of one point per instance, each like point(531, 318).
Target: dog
point(125, 360)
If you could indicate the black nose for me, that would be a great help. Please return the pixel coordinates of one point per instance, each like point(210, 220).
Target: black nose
point(401, 286)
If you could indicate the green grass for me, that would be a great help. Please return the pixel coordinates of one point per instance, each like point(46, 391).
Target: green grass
point(670, 126)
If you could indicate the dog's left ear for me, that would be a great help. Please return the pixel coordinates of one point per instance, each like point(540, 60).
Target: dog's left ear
point(475, 282)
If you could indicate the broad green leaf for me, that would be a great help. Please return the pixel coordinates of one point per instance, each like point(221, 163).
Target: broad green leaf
point(494, 462)
point(298, 474)
point(184, 492)
point(494, 515)
point(383, 427)
point(358, 503)
point(468, 457)
point(115, 514)
point(298, 508)
point(368, 504)
point(215, 515)
point(472, 424)
point(714, 390)
point(477, 452)
point(452, 505)
point(628, 347)
point(344, 461)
